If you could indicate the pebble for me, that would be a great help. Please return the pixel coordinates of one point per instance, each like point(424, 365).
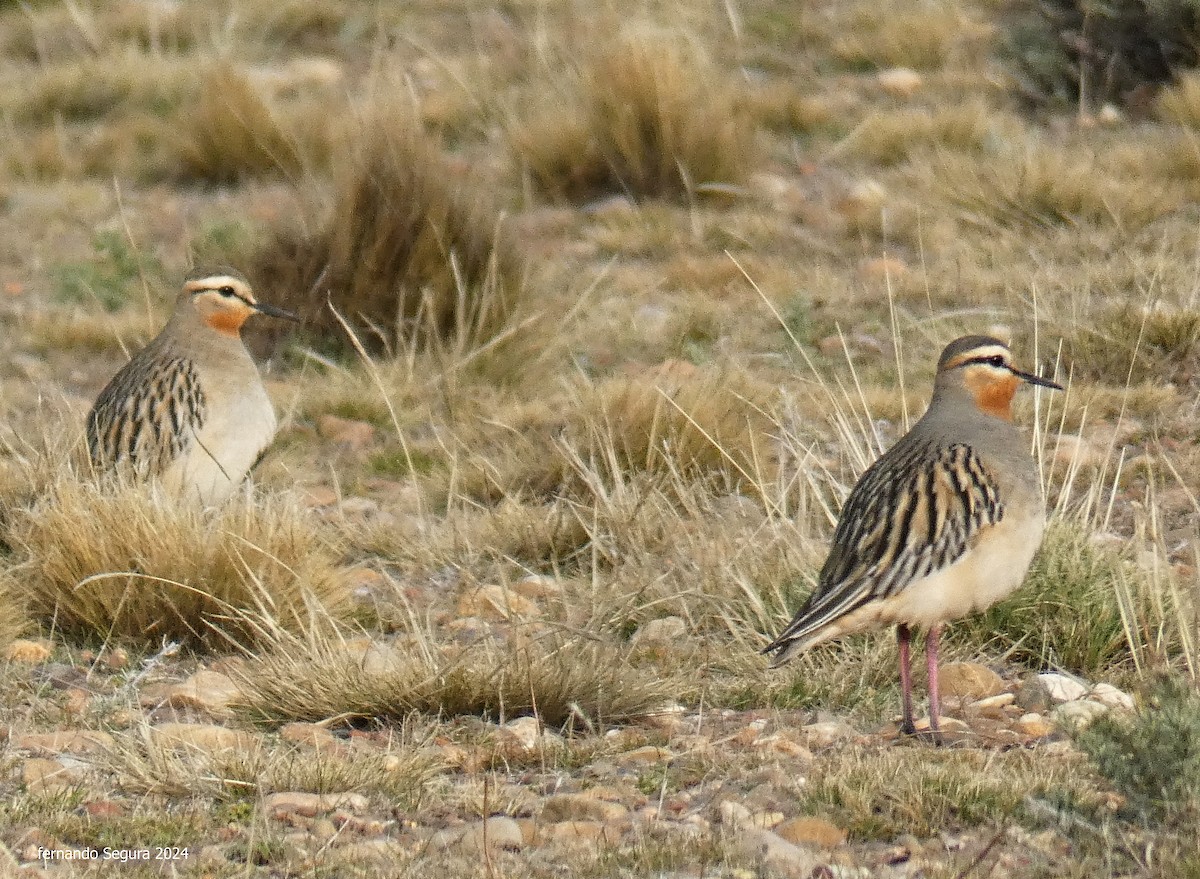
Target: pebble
point(776, 853)
point(537, 586)
point(208, 691)
point(28, 652)
point(496, 603)
point(659, 632)
point(497, 832)
point(580, 807)
point(1062, 688)
point(44, 776)
point(1107, 694)
point(1079, 714)
point(200, 737)
point(309, 734)
point(527, 733)
point(899, 82)
point(1034, 725)
point(824, 733)
point(969, 680)
point(810, 830)
point(68, 741)
point(354, 435)
point(309, 805)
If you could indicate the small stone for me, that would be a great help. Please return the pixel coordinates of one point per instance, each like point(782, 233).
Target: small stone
point(784, 746)
point(43, 776)
point(1107, 694)
point(527, 733)
point(776, 853)
point(1033, 725)
point(354, 435)
point(1073, 450)
point(824, 733)
point(646, 755)
point(317, 496)
point(309, 805)
point(66, 741)
point(734, 814)
point(663, 631)
point(28, 652)
point(899, 82)
point(591, 831)
point(993, 706)
point(200, 737)
point(537, 587)
point(969, 680)
point(208, 691)
point(812, 831)
point(497, 832)
point(580, 807)
point(1078, 715)
point(308, 734)
point(1032, 694)
point(494, 602)
point(947, 724)
point(1062, 688)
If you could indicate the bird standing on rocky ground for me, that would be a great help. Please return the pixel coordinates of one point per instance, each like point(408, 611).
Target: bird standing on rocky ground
point(944, 524)
point(190, 410)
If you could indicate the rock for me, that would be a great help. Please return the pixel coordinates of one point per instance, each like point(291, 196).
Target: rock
point(1078, 715)
point(590, 831)
point(318, 496)
point(44, 776)
point(824, 733)
point(536, 587)
point(310, 735)
point(734, 814)
point(993, 706)
point(776, 853)
point(1033, 725)
point(580, 807)
point(66, 741)
point(646, 755)
point(811, 831)
point(1107, 694)
point(1074, 450)
point(528, 734)
point(899, 82)
point(948, 724)
point(200, 737)
point(309, 805)
point(664, 631)
point(494, 602)
point(969, 680)
point(208, 691)
point(778, 743)
point(1062, 688)
point(354, 435)
point(1032, 694)
point(497, 832)
point(28, 652)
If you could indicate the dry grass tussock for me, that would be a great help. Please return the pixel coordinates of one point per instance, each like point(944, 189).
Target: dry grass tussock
point(409, 252)
point(577, 680)
point(646, 115)
point(101, 562)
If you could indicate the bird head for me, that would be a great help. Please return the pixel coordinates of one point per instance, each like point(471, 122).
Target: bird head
point(982, 365)
point(224, 301)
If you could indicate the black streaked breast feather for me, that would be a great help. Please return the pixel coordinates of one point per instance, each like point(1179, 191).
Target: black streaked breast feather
point(148, 414)
point(914, 511)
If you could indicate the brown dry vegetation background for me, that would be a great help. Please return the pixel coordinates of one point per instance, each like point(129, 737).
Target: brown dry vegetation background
point(606, 305)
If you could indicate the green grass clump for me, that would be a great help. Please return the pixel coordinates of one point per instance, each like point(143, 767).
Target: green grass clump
point(1066, 615)
point(1153, 758)
point(109, 276)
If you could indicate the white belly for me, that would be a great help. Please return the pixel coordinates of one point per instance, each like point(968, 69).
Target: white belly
point(223, 451)
point(989, 572)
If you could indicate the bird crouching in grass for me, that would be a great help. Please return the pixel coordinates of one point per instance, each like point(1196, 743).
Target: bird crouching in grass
point(189, 411)
point(944, 524)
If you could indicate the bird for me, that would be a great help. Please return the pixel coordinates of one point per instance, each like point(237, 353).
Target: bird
point(944, 524)
point(189, 411)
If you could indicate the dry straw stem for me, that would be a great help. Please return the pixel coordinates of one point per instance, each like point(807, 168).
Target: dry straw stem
point(411, 251)
point(648, 116)
point(559, 679)
point(120, 561)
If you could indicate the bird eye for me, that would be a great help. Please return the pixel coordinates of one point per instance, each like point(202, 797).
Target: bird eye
point(227, 291)
point(996, 360)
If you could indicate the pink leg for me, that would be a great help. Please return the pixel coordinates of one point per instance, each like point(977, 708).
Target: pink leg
point(931, 661)
point(903, 636)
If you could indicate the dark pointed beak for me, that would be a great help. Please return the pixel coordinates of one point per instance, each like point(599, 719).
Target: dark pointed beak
point(272, 311)
point(1036, 380)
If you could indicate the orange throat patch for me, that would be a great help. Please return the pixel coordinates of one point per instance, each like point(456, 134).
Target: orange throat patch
point(226, 322)
point(993, 395)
